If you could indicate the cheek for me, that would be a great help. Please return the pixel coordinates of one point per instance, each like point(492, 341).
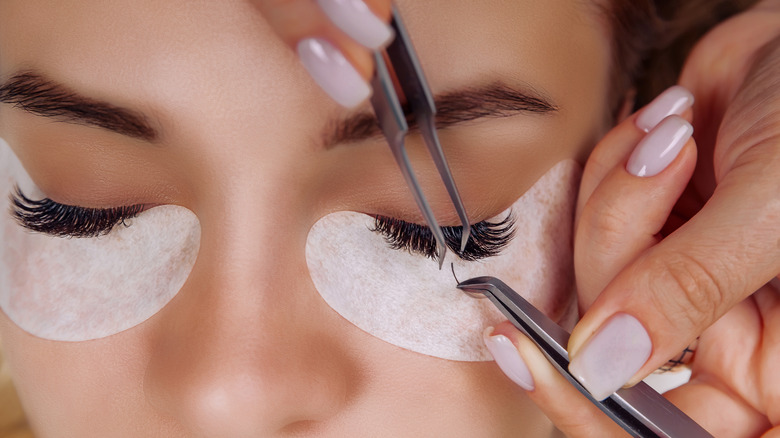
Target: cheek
point(404, 299)
point(82, 289)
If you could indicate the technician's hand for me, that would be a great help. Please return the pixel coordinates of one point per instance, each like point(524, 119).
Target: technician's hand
point(334, 40)
point(655, 272)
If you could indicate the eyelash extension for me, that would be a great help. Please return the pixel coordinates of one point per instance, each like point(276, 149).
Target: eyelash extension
point(49, 217)
point(487, 238)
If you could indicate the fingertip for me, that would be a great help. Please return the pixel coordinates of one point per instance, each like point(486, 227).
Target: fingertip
point(333, 72)
point(560, 401)
point(381, 8)
point(359, 21)
point(539, 368)
point(612, 356)
point(508, 358)
point(676, 100)
point(660, 147)
point(334, 59)
point(623, 139)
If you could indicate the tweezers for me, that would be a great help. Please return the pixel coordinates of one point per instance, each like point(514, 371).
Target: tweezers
point(399, 61)
point(640, 410)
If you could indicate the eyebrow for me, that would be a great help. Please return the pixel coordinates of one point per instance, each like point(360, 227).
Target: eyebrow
point(38, 95)
point(494, 100)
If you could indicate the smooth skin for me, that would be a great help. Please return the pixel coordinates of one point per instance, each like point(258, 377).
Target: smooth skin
point(687, 252)
point(248, 348)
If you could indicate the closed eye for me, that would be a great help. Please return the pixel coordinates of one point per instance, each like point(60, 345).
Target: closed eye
point(60, 220)
point(487, 239)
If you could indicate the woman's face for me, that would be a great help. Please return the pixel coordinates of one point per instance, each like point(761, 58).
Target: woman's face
point(245, 140)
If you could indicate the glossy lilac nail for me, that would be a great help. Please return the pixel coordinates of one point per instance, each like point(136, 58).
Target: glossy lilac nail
point(508, 359)
point(674, 101)
point(612, 356)
point(355, 19)
point(660, 147)
point(333, 72)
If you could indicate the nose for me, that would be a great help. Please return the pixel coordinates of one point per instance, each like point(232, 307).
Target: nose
point(240, 351)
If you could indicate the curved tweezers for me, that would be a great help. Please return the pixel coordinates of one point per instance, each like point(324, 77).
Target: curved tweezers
point(639, 410)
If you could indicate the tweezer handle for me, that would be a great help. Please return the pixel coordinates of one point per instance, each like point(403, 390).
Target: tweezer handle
point(640, 410)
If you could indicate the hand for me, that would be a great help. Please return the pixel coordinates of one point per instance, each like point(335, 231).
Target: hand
point(674, 269)
point(732, 393)
point(334, 40)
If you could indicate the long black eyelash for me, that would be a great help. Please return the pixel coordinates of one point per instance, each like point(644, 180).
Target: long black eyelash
point(49, 217)
point(487, 238)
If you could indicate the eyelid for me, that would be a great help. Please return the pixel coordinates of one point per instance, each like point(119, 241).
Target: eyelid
point(60, 220)
point(487, 239)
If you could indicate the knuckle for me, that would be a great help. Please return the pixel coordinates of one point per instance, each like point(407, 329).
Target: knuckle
point(607, 223)
point(691, 292)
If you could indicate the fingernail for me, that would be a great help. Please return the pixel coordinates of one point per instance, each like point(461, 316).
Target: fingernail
point(332, 72)
point(660, 147)
point(612, 356)
point(674, 101)
point(356, 20)
point(508, 359)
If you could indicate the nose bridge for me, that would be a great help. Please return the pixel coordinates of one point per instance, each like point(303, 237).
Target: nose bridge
point(240, 349)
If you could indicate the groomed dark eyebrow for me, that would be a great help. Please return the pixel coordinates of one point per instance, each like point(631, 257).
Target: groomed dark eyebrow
point(38, 95)
point(494, 100)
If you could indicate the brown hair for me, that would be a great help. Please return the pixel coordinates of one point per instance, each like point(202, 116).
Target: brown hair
point(652, 38)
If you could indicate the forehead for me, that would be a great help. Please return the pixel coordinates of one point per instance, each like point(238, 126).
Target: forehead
point(537, 41)
point(91, 40)
point(214, 73)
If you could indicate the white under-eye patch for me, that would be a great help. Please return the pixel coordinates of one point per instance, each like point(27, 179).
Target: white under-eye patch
point(77, 289)
point(404, 298)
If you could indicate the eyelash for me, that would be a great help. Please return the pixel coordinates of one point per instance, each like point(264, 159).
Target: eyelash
point(49, 217)
point(487, 238)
